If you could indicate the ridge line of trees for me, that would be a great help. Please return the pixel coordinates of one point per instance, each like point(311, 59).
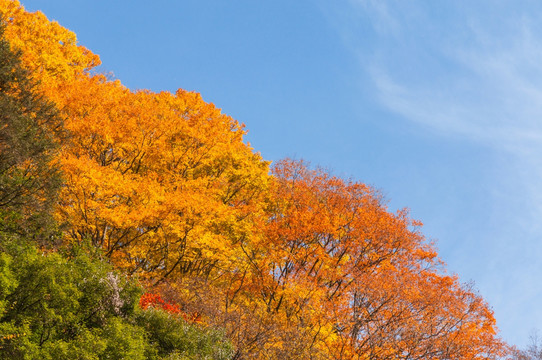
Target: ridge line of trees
point(238, 259)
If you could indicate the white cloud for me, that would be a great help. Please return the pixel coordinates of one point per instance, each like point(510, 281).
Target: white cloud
point(472, 72)
point(492, 95)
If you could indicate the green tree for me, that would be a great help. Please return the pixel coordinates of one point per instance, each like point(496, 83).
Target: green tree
point(29, 130)
point(67, 305)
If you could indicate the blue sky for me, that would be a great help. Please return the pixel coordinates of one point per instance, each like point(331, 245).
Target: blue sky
point(437, 104)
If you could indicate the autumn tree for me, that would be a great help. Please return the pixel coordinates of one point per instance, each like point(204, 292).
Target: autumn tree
point(347, 279)
point(335, 275)
point(162, 182)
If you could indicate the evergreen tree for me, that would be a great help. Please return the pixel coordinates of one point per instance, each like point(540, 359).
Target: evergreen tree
point(29, 131)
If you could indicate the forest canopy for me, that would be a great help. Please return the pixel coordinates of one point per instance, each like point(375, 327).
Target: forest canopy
point(141, 225)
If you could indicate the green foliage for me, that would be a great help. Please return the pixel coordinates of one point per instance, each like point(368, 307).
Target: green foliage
point(7, 280)
point(29, 130)
point(173, 338)
point(70, 306)
point(55, 299)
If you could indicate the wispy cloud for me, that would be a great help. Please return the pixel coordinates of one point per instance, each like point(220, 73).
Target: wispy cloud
point(471, 71)
point(459, 72)
point(492, 93)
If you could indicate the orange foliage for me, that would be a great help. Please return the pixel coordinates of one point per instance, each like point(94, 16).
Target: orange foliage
point(297, 264)
point(163, 183)
point(361, 282)
point(334, 274)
